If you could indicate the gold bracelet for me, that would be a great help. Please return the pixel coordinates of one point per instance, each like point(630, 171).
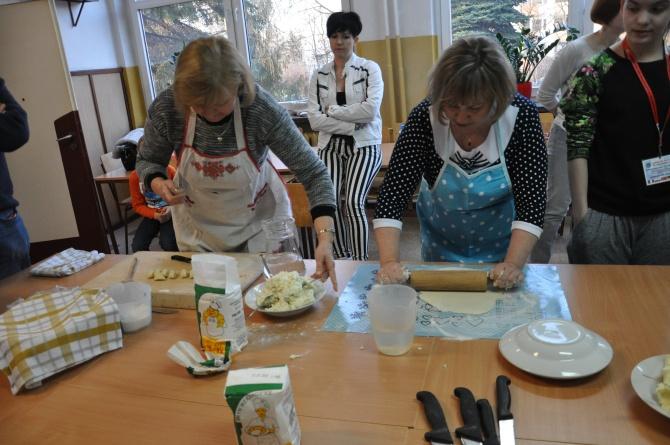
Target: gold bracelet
point(329, 230)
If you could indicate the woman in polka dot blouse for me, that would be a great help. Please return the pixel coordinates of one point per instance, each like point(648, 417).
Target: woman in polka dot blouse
point(479, 159)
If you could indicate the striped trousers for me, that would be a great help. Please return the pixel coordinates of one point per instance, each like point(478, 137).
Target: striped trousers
point(352, 170)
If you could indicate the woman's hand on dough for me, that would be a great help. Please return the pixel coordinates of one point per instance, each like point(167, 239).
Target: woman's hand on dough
point(391, 272)
point(506, 275)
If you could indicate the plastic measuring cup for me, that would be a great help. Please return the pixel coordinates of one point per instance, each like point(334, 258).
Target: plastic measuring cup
point(134, 301)
point(392, 312)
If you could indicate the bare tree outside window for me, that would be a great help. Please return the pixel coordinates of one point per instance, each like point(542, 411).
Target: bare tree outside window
point(287, 41)
point(168, 29)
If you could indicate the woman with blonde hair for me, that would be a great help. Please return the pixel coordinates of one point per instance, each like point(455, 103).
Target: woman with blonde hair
point(477, 150)
point(221, 125)
point(576, 53)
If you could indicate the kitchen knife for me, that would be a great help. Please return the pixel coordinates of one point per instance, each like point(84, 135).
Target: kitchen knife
point(488, 422)
point(503, 405)
point(449, 280)
point(183, 259)
point(470, 433)
point(439, 433)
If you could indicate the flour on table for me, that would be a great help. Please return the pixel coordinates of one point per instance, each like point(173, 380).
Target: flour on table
point(461, 302)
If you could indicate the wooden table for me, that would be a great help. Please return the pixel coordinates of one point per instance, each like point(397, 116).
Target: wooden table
point(345, 391)
point(118, 176)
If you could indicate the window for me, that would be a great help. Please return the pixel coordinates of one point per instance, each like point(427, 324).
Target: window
point(167, 29)
point(506, 16)
point(284, 40)
point(287, 41)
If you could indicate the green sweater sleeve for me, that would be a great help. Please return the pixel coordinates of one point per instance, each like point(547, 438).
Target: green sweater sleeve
point(580, 104)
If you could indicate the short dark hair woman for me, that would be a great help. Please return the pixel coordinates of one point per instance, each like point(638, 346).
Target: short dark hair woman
point(344, 100)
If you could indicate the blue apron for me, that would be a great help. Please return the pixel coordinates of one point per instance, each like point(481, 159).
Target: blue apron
point(467, 218)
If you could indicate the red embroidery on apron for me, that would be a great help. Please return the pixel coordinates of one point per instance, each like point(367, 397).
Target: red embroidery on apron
point(214, 169)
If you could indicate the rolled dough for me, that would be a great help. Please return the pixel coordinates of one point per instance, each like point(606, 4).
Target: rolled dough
point(461, 302)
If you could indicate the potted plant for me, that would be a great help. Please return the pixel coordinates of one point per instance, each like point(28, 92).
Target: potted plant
point(525, 50)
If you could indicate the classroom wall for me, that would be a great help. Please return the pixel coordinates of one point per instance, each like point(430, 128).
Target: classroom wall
point(35, 72)
point(102, 40)
point(402, 38)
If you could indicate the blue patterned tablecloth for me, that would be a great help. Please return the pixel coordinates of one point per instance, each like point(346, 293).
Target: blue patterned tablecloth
point(540, 296)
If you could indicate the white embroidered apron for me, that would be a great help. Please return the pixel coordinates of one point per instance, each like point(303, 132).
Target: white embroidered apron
point(227, 196)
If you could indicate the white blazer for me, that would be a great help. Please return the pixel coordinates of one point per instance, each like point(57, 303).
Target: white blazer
point(360, 117)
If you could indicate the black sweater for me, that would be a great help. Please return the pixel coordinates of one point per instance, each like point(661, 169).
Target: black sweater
point(13, 134)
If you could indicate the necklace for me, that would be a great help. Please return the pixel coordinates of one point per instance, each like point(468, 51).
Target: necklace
point(225, 129)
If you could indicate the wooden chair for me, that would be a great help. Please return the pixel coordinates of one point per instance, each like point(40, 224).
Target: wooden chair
point(303, 218)
point(108, 163)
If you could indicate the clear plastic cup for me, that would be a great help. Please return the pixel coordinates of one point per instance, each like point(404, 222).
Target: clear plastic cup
point(134, 301)
point(282, 252)
point(392, 312)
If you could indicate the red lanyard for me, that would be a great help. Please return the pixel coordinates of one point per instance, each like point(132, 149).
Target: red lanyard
point(647, 89)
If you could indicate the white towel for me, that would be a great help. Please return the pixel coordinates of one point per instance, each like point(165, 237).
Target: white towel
point(132, 137)
point(66, 263)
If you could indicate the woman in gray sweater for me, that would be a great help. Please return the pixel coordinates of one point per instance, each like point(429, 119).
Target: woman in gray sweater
point(221, 125)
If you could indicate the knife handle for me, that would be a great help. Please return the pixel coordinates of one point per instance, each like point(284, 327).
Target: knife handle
point(488, 422)
point(470, 429)
point(438, 424)
point(183, 259)
point(503, 398)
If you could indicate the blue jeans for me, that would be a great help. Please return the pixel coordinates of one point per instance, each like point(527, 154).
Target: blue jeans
point(148, 229)
point(14, 244)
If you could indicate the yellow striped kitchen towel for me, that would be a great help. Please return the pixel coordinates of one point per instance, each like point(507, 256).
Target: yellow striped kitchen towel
point(55, 330)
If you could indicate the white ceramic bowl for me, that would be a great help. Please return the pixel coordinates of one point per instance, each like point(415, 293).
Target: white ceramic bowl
point(644, 377)
point(558, 349)
point(250, 300)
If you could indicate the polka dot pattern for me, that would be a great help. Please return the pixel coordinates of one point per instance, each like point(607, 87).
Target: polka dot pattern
point(414, 157)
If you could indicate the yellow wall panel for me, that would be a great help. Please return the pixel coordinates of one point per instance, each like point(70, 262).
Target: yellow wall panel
point(405, 63)
point(138, 114)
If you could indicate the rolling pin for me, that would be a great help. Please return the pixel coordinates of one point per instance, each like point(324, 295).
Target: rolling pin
point(450, 280)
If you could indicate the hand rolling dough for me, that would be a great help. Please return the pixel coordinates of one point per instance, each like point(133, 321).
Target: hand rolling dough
point(461, 302)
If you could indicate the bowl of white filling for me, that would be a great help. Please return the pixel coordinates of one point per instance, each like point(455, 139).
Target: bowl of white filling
point(285, 294)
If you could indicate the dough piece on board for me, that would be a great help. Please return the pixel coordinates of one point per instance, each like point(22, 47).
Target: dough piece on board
point(461, 302)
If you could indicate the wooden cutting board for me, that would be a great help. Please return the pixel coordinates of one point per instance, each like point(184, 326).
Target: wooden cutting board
point(177, 292)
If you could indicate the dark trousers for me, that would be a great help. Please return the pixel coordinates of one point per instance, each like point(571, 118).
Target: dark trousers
point(148, 229)
point(14, 244)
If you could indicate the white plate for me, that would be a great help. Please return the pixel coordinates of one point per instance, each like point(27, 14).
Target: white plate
point(250, 300)
point(644, 378)
point(558, 349)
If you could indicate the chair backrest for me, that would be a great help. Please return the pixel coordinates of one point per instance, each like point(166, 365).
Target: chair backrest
point(546, 119)
point(299, 204)
point(109, 163)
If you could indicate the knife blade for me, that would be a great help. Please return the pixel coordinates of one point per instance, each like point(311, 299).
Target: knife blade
point(439, 433)
point(488, 422)
point(470, 433)
point(503, 405)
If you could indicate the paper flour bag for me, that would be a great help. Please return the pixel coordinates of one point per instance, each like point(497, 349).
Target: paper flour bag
point(262, 403)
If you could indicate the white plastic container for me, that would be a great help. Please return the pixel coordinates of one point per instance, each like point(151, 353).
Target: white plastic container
point(134, 301)
point(218, 302)
point(392, 312)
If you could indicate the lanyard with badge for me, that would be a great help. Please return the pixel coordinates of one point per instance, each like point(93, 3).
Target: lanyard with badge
point(656, 169)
